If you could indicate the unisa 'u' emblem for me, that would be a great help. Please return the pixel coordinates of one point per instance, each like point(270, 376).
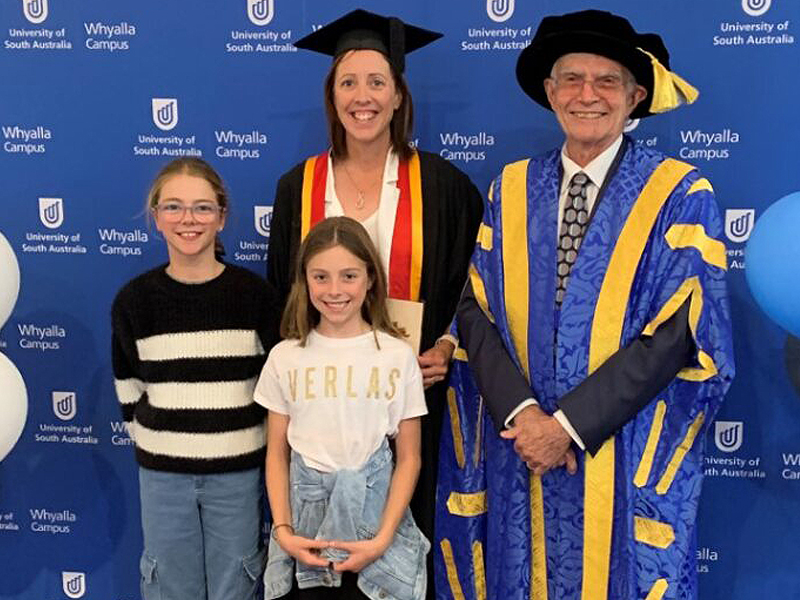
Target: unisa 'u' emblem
point(728, 435)
point(165, 113)
point(51, 212)
point(65, 405)
point(499, 10)
point(263, 218)
point(739, 223)
point(35, 10)
point(756, 8)
point(73, 583)
point(260, 12)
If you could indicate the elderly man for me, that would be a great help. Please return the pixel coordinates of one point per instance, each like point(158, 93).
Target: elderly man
point(598, 333)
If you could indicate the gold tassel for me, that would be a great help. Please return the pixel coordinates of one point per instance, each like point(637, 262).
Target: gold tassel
point(669, 90)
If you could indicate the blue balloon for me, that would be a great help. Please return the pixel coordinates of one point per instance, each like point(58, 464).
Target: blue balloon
point(772, 262)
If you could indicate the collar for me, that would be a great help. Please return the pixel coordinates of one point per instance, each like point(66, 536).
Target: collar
point(390, 175)
point(596, 170)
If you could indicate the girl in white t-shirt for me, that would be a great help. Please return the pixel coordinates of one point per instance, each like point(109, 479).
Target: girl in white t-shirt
point(336, 388)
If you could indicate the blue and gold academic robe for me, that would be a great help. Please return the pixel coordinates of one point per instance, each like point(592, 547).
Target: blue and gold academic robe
point(623, 526)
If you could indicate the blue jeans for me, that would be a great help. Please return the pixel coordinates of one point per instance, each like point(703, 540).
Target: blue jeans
point(201, 535)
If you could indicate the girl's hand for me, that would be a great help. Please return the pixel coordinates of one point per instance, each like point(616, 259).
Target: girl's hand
point(362, 553)
point(303, 549)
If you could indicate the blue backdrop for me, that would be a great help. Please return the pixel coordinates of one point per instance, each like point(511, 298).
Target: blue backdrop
point(97, 95)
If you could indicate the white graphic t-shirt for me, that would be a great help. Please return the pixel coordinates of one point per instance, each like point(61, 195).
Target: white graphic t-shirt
point(342, 395)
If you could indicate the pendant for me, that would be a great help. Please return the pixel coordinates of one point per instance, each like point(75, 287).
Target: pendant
point(361, 201)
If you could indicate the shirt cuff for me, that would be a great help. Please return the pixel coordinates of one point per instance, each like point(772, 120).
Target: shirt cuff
point(564, 422)
point(518, 409)
point(448, 338)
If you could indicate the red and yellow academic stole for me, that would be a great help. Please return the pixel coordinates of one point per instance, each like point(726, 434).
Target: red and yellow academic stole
point(405, 260)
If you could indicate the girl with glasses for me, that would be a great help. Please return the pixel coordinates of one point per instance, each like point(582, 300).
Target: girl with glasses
point(189, 339)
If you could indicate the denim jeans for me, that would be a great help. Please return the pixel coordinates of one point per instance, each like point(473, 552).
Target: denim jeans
point(348, 505)
point(201, 535)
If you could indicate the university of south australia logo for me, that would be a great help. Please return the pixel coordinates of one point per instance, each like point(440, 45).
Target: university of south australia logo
point(728, 435)
point(73, 583)
point(51, 212)
point(263, 218)
point(260, 12)
point(756, 8)
point(739, 223)
point(35, 10)
point(500, 10)
point(65, 405)
point(165, 113)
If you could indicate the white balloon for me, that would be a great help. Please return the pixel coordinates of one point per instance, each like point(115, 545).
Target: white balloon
point(13, 405)
point(9, 279)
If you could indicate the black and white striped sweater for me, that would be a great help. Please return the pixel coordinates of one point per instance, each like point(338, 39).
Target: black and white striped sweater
point(186, 358)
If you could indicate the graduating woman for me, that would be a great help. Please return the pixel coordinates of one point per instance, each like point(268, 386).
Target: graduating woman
point(420, 211)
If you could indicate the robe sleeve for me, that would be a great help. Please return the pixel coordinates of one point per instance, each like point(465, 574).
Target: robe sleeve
point(630, 378)
point(280, 256)
point(498, 378)
point(497, 374)
point(452, 214)
point(687, 336)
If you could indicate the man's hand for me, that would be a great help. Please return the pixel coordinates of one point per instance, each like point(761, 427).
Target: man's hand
point(540, 441)
point(434, 362)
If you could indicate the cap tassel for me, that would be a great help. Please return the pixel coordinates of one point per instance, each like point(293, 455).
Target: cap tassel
point(397, 43)
point(669, 90)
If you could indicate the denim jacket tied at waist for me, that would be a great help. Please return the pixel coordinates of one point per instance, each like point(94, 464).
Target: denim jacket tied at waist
point(348, 505)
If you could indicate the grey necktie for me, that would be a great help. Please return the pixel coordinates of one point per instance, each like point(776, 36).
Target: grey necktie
point(573, 226)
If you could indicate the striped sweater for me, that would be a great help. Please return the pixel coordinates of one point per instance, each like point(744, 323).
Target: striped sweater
point(186, 358)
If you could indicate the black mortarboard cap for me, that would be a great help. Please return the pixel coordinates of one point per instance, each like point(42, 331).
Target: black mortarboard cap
point(363, 30)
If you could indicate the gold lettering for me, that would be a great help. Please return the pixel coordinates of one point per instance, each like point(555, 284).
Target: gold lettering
point(330, 382)
point(374, 384)
point(393, 375)
point(350, 392)
point(310, 383)
point(292, 375)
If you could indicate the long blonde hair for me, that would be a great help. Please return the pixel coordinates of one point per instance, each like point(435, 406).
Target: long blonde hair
point(300, 315)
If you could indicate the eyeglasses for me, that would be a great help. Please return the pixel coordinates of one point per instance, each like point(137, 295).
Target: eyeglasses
point(202, 212)
point(604, 83)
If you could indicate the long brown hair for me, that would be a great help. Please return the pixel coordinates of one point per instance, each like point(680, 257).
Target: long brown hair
point(196, 167)
point(399, 128)
point(300, 315)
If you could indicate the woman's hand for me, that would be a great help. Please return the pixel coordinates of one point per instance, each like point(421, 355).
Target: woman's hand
point(435, 361)
point(301, 548)
point(362, 553)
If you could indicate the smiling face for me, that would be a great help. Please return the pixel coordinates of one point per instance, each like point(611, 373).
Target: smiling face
point(191, 237)
point(365, 96)
point(337, 283)
point(592, 97)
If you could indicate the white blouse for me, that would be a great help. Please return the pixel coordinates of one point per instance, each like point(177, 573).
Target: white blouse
point(380, 224)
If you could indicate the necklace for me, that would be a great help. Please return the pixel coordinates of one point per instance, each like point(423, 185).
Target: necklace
point(361, 200)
